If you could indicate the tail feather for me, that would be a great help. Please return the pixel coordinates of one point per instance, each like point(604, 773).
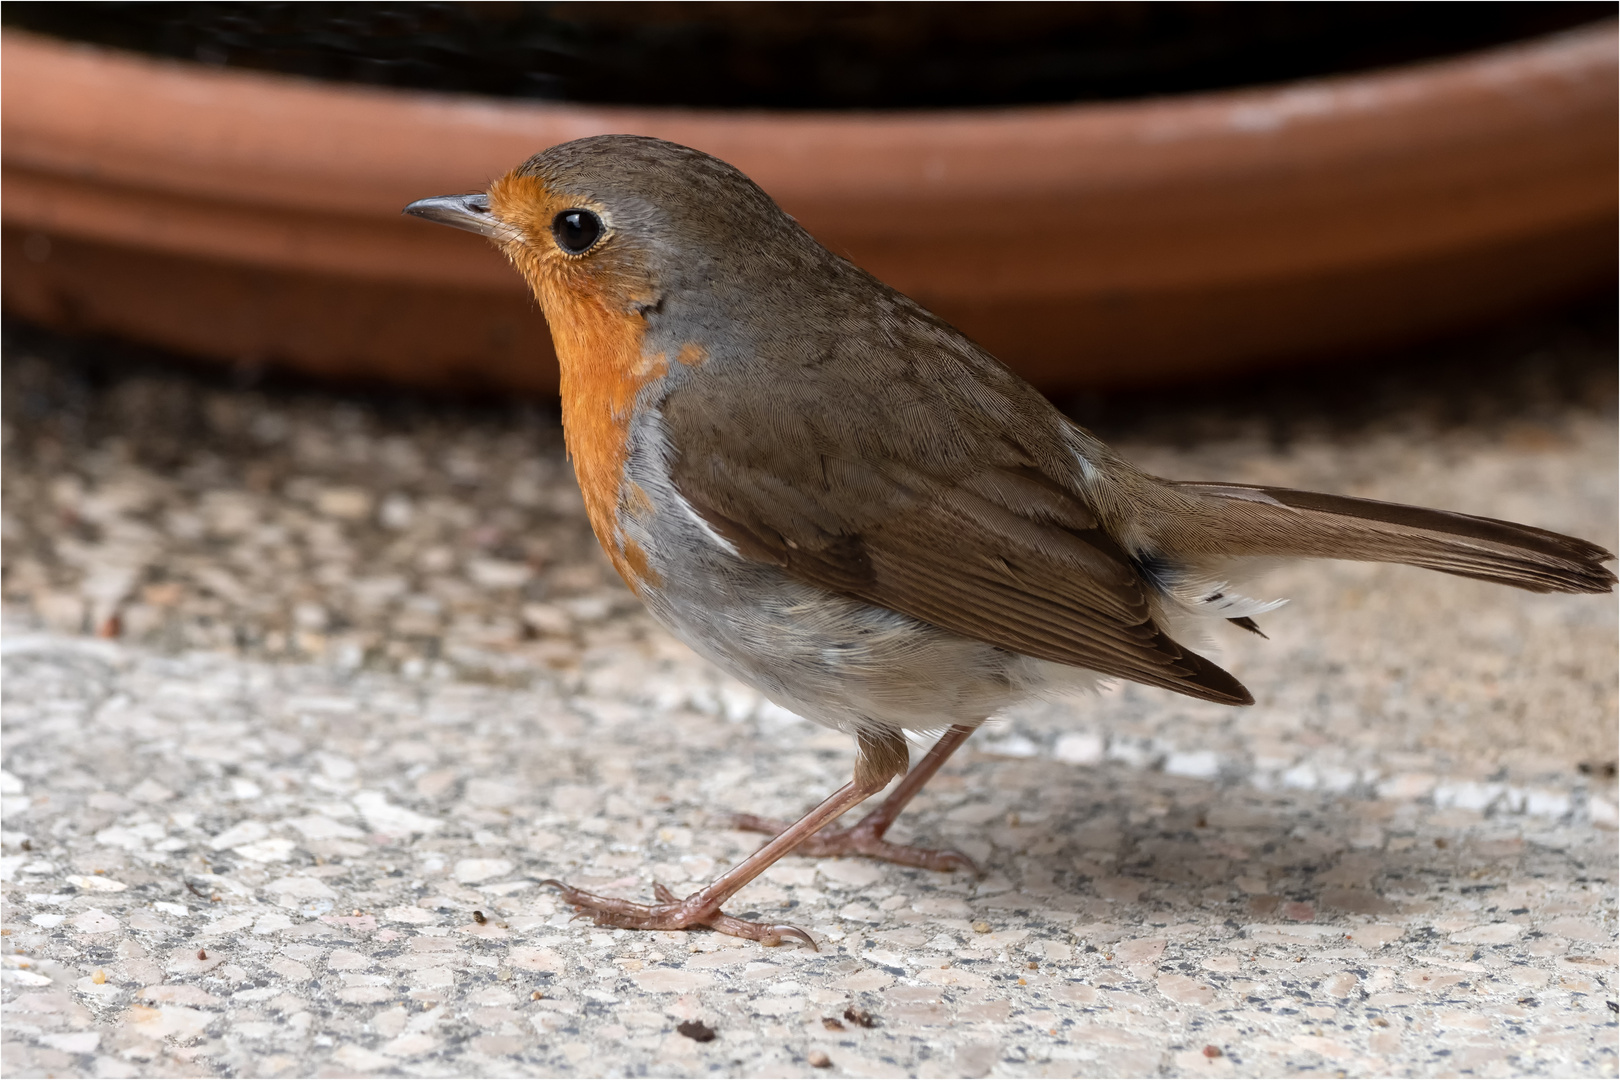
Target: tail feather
point(1239, 520)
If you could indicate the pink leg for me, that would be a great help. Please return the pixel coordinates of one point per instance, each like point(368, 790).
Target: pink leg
point(866, 838)
point(702, 908)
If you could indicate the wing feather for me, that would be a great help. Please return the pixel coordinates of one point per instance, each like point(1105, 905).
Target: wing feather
point(953, 559)
point(900, 465)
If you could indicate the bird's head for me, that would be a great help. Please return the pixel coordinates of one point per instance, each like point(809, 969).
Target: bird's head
point(624, 222)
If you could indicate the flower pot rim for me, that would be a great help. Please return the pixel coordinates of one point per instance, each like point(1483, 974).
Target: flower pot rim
point(345, 148)
point(1164, 235)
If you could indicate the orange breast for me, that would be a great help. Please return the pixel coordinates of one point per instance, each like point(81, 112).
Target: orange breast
point(590, 304)
point(603, 370)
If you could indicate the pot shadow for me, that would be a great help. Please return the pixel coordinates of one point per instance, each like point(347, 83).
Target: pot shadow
point(1122, 843)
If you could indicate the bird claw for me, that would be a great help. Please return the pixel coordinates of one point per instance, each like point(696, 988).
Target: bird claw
point(672, 914)
point(861, 839)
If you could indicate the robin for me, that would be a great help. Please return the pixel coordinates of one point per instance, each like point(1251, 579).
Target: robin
point(845, 503)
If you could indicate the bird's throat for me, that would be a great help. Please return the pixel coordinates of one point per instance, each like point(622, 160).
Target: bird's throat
point(604, 371)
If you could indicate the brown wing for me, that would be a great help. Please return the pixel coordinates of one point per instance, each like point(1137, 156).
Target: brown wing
point(923, 491)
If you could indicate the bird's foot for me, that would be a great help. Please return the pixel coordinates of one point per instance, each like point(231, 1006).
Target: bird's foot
point(673, 914)
point(864, 838)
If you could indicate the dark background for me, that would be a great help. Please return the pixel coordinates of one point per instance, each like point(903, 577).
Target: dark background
point(804, 56)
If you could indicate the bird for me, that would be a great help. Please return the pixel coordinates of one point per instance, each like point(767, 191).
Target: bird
point(844, 502)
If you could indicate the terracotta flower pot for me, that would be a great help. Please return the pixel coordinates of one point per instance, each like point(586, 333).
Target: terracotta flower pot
point(256, 217)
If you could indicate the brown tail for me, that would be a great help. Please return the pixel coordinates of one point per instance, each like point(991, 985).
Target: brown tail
point(1238, 520)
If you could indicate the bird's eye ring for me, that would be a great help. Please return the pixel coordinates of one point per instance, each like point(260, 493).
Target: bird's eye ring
point(576, 230)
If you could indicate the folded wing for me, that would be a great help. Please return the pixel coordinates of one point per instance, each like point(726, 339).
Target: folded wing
point(964, 530)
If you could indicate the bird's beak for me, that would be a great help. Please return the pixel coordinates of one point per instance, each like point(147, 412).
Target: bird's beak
point(470, 212)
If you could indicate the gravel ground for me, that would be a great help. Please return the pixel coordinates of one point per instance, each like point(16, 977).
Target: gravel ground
point(305, 691)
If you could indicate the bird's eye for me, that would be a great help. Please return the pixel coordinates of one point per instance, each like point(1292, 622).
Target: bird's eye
point(576, 230)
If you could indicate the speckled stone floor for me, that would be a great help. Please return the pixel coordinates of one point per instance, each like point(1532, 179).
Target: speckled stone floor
point(304, 694)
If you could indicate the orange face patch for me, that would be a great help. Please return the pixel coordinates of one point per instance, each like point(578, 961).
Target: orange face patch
point(588, 300)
